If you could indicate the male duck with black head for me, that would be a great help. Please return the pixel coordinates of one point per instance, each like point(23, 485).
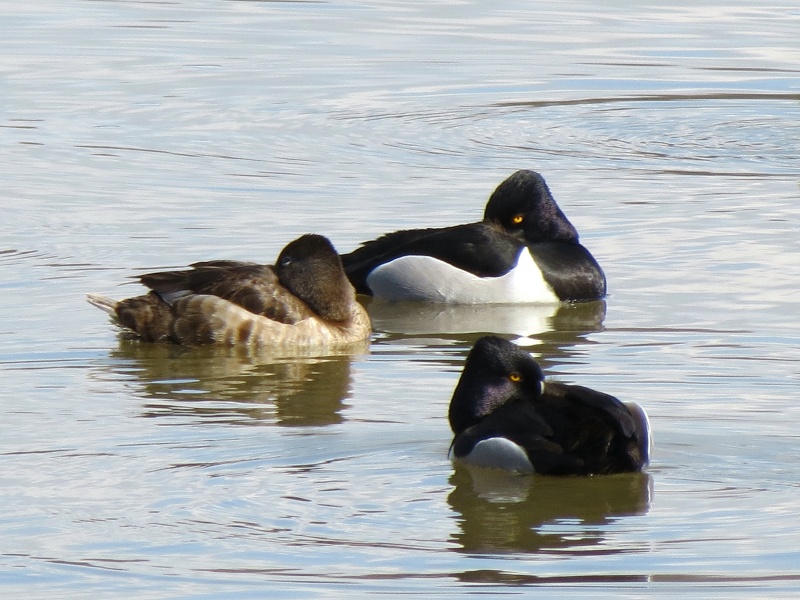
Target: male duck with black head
point(524, 250)
point(304, 301)
point(504, 415)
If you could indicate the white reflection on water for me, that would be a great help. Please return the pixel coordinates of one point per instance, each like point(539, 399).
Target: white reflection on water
point(413, 318)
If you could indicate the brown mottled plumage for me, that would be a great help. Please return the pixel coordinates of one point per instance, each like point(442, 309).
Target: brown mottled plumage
point(304, 300)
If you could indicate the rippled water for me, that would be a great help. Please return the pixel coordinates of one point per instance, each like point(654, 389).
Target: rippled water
point(141, 135)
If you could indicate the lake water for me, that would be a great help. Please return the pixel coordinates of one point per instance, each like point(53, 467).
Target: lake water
point(142, 135)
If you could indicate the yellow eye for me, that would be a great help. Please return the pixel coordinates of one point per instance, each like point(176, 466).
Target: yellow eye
point(517, 219)
point(515, 377)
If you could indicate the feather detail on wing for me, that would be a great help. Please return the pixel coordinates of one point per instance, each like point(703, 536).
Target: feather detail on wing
point(479, 248)
point(251, 286)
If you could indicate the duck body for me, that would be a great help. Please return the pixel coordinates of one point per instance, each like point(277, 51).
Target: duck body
point(524, 250)
point(505, 416)
point(305, 300)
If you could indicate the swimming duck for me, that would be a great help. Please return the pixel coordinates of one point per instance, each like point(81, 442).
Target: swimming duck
point(505, 416)
point(305, 300)
point(524, 250)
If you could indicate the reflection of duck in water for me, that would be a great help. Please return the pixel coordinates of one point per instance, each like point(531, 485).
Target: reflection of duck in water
point(304, 301)
point(524, 250)
point(504, 415)
point(235, 385)
point(500, 512)
point(455, 320)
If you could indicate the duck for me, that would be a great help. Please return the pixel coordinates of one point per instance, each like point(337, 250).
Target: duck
point(525, 251)
point(305, 300)
point(505, 416)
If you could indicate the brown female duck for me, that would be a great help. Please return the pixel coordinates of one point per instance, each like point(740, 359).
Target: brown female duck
point(305, 300)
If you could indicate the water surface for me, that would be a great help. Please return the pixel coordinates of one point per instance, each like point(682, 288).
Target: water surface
point(138, 135)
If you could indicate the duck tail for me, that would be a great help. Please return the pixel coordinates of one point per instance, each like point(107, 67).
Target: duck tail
point(104, 303)
point(643, 432)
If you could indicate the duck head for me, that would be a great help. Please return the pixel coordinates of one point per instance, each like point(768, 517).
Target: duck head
point(496, 372)
point(311, 269)
point(523, 206)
